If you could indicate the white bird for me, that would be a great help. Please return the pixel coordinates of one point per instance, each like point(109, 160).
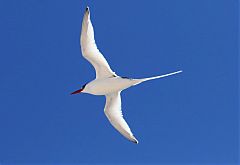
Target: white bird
point(107, 82)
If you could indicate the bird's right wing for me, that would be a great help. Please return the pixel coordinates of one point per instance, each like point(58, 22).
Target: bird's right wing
point(114, 114)
point(90, 50)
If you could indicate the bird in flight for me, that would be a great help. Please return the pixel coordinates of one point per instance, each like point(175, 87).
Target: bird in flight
point(107, 82)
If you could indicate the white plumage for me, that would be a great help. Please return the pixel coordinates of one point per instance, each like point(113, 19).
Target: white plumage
point(90, 50)
point(107, 82)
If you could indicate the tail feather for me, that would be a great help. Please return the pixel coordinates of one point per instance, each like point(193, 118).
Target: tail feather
point(156, 77)
point(161, 76)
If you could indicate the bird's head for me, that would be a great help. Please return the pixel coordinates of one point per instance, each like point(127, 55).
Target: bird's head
point(79, 90)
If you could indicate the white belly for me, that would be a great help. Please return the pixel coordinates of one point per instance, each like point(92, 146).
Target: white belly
point(108, 85)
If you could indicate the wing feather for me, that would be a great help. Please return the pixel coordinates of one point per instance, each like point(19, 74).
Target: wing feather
point(90, 51)
point(114, 114)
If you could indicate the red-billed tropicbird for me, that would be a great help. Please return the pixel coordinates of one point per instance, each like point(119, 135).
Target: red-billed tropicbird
point(107, 82)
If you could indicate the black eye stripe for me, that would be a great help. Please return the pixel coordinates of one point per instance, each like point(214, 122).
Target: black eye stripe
point(84, 86)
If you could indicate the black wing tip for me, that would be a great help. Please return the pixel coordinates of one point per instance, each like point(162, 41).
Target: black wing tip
point(87, 8)
point(134, 140)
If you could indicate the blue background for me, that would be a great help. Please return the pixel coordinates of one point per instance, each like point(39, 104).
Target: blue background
point(189, 118)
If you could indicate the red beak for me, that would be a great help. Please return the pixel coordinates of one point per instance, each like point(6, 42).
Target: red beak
point(77, 91)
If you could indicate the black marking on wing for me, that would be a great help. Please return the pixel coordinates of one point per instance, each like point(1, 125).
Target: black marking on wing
point(126, 78)
point(113, 76)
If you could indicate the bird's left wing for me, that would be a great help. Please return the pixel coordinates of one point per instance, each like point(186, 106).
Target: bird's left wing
point(90, 50)
point(114, 114)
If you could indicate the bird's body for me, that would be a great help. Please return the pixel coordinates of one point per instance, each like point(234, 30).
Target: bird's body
point(107, 82)
point(109, 85)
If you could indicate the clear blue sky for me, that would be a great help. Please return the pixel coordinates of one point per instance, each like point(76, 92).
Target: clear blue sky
point(190, 118)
